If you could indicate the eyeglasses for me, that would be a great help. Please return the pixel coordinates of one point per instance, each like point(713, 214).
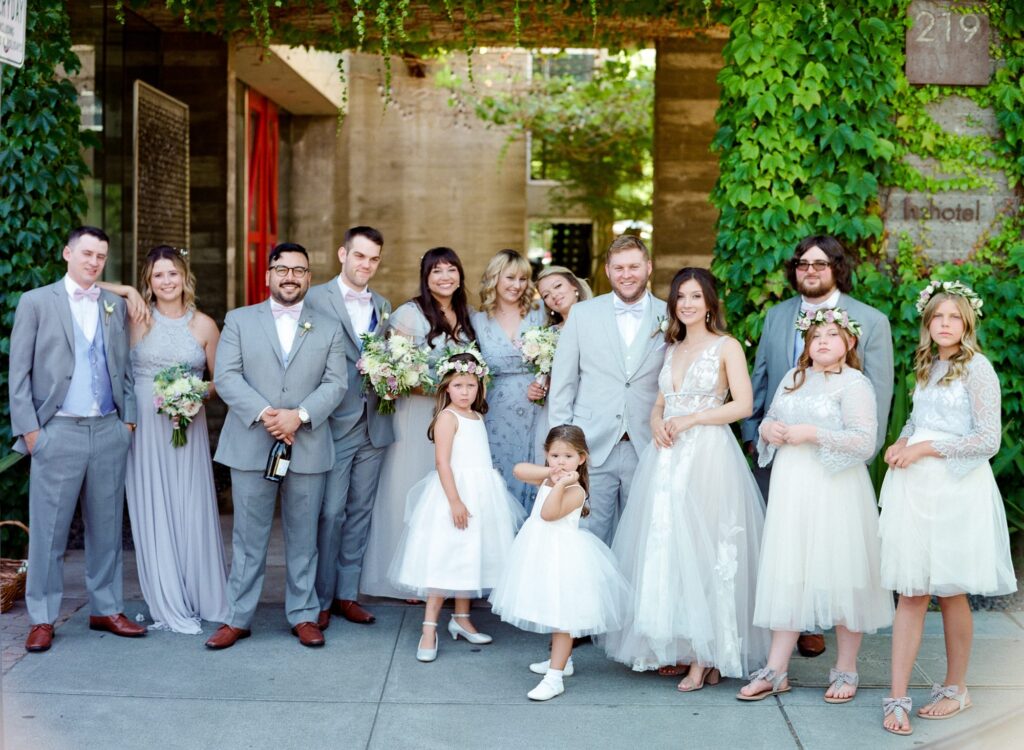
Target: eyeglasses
point(281, 272)
point(817, 265)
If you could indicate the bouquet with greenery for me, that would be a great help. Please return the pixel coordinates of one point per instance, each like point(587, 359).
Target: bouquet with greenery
point(179, 394)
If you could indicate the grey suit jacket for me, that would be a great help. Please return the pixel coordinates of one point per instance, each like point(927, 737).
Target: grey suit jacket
point(775, 358)
point(43, 357)
point(590, 386)
point(327, 299)
point(250, 375)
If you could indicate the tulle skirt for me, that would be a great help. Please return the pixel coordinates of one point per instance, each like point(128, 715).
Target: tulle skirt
point(560, 578)
point(688, 543)
point(941, 534)
point(434, 558)
point(820, 552)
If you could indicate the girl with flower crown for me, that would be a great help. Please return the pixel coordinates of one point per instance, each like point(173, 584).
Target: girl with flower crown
point(460, 519)
point(818, 432)
point(943, 526)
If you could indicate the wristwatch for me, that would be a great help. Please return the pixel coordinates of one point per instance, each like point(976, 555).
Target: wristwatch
point(303, 415)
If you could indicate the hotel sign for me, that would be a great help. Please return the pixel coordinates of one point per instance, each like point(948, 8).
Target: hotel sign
point(12, 32)
point(947, 44)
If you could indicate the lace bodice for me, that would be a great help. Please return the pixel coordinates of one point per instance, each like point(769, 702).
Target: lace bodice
point(701, 388)
point(842, 407)
point(409, 321)
point(968, 408)
point(168, 342)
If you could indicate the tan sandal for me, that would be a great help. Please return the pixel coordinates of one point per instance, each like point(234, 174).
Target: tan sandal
point(711, 677)
point(836, 680)
point(900, 708)
point(769, 676)
point(940, 692)
point(674, 670)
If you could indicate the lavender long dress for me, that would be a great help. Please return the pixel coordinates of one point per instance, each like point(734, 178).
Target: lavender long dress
point(171, 499)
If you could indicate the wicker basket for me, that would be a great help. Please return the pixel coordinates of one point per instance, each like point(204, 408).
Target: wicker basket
point(12, 583)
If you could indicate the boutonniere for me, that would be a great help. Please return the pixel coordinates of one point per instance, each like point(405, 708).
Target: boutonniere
point(305, 327)
point(660, 327)
point(108, 309)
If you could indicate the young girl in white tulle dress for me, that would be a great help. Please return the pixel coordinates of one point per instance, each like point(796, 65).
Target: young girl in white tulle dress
point(819, 565)
point(560, 579)
point(460, 520)
point(943, 526)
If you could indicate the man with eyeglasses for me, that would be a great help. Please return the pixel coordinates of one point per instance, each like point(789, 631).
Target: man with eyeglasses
point(819, 271)
point(281, 371)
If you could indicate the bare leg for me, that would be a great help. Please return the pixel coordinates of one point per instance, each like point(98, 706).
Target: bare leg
point(849, 645)
point(561, 650)
point(462, 608)
point(431, 613)
point(958, 627)
point(907, 628)
point(783, 643)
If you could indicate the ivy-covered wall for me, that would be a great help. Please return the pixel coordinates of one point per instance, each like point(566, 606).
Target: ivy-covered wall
point(817, 120)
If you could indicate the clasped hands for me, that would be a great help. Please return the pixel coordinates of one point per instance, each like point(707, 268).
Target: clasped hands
point(563, 478)
point(780, 433)
point(666, 430)
point(282, 423)
point(899, 455)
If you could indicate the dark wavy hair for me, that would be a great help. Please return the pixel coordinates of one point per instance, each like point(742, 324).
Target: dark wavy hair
point(573, 436)
point(432, 310)
point(836, 254)
point(715, 320)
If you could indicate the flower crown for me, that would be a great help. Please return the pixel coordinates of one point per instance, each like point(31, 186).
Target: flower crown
point(448, 364)
point(948, 287)
point(824, 316)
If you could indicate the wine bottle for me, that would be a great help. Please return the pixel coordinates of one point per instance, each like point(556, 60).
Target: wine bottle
point(277, 462)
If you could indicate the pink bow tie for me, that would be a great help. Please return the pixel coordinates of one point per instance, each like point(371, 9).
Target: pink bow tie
point(92, 293)
point(288, 312)
point(362, 297)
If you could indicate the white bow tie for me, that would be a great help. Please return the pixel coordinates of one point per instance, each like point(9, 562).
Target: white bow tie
point(636, 310)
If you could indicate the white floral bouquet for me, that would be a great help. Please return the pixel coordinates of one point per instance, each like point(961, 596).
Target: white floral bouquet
point(538, 346)
point(391, 368)
point(179, 394)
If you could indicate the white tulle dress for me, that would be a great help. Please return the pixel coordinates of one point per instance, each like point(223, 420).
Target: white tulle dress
point(943, 525)
point(560, 578)
point(689, 539)
point(436, 558)
point(820, 552)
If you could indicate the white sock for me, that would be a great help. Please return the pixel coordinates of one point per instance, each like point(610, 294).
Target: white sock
point(553, 676)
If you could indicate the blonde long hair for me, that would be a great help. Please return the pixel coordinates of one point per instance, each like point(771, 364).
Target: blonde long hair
point(188, 279)
point(924, 355)
point(581, 286)
point(496, 266)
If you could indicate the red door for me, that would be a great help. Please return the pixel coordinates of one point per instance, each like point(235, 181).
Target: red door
point(262, 194)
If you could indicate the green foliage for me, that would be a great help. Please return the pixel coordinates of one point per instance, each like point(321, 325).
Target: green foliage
point(41, 195)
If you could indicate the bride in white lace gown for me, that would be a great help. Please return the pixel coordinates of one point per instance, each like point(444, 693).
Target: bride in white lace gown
point(689, 538)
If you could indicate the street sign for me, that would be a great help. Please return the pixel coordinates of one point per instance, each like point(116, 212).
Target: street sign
point(12, 32)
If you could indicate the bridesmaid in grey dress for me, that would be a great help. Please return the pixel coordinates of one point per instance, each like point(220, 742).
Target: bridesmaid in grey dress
point(559, 289)
point(171, 498)
point(436, 318)
point(507, 309)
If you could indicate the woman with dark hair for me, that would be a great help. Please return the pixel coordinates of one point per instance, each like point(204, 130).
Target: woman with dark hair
point(689, 537)
point(436, 318)
point(171, 498)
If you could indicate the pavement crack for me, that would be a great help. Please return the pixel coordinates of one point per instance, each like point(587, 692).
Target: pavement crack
point(789, 724)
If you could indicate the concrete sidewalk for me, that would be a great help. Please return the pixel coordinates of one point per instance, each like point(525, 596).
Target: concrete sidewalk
point(365, 689)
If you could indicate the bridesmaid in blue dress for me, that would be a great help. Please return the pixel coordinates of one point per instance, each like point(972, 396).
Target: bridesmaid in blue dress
point(507, 309)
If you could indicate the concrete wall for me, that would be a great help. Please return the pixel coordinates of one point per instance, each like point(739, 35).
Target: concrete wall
point(685, 170)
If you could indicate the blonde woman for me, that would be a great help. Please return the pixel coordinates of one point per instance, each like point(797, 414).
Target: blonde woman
point(171, 497)
point(507, 309)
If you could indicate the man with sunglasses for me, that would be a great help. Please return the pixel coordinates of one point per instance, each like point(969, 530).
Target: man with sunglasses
point(819, 271)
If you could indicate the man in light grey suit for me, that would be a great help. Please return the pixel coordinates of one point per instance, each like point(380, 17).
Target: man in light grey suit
point(819, 271)
point(73, 410)
point(360, 433)
point(281, 371)
point(605, 378)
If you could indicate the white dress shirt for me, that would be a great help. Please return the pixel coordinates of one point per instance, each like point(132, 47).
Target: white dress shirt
point(629, 324)
point(286, 328)
point(359, 312)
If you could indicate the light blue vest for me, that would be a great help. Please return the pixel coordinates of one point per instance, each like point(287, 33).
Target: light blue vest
point(90, 381)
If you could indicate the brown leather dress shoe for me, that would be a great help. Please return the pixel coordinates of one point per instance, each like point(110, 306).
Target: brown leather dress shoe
point(323, 620)
point(226, 636)
point(39, 638)
point(811, 644)
point(352, 612)
point(118, 625)
point(308, 634)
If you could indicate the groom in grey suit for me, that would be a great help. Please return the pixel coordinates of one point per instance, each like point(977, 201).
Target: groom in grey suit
point(360, 433)
point(281, 371)
point(605, 378)
point(73, 410)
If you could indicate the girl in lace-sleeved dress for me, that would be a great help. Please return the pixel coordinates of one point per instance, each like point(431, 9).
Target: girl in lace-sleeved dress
point(819, 563)
point(943, 526)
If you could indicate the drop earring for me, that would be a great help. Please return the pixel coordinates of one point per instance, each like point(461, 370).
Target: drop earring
point(707, 317)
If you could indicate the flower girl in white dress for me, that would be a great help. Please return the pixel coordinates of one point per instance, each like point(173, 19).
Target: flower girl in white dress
point(943, 525)
point(560, 579)
point(460, 519)
point(819, 430)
